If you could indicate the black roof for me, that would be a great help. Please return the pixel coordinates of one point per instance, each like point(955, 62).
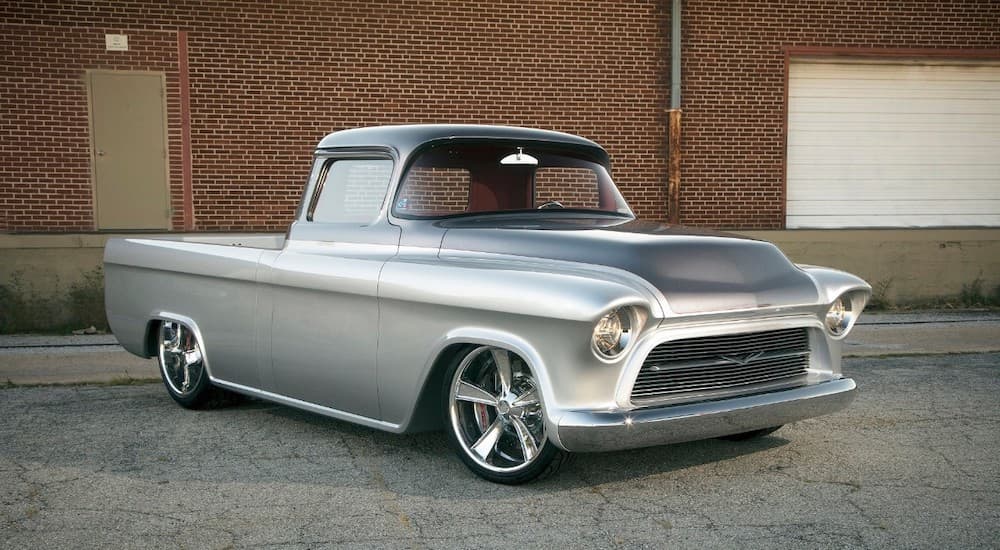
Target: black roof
point(405, 138)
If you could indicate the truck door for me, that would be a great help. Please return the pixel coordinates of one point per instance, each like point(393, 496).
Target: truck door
point(323, 288)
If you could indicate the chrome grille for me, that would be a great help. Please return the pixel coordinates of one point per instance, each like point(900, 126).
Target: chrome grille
point(721, 362)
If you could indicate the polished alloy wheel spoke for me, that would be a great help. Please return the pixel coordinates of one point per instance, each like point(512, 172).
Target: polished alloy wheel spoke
point(528, 444)
point(488, 441)
point(192, 357)
point(173, 345)
point(475, 394)
point(186, 384)
point(502, 361)
point(526, 399)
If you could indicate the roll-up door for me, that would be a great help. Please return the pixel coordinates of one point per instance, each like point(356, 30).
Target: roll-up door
point(893, 144)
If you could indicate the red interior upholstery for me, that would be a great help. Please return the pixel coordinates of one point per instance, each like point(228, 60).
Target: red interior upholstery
point(606, 198)
point(481, 198)
point(507, 188)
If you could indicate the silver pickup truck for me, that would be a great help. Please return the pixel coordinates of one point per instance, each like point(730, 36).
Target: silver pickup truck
point(493, 281)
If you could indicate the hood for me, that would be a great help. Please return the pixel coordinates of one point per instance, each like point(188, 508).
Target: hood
point(697, 271)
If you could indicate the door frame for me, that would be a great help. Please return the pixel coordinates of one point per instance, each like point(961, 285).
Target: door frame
point(92, 150)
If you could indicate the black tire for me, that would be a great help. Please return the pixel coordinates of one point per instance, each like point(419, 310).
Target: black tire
point(178, 350)
point(754, 434)
point(465, 420)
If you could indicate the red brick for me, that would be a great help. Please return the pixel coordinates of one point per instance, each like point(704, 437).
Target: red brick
point(268, 80)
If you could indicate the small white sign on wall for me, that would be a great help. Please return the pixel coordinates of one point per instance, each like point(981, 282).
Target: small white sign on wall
point(116, 42)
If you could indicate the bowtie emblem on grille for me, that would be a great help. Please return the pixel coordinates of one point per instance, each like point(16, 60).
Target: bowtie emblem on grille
point(741, 359)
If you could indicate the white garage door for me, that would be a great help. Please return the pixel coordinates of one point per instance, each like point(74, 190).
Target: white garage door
point(893, 144)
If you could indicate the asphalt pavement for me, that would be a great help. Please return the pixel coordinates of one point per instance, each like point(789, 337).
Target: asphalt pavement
point(912, 463)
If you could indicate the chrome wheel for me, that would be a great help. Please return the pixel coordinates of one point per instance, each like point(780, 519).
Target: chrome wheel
point(181, 361)
point(495, 411)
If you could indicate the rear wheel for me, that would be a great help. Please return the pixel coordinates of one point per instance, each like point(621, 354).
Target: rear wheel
point(182, 367)
point(495, 419)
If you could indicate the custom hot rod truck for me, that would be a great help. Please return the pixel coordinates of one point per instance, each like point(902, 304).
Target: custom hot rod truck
point(493, 281)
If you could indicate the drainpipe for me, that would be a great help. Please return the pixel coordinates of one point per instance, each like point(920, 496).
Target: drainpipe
point(674, 117)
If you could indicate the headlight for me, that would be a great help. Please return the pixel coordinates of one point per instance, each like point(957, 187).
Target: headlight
point(841, 315)
point(612, 333)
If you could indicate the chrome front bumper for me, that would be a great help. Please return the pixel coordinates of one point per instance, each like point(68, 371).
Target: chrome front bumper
point(584, 431)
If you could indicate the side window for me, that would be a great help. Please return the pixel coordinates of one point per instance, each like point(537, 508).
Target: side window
point(571, 187)
point(352, 190)
point(434, 191)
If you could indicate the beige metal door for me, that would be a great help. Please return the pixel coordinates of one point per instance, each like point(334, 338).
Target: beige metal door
point(127, 121)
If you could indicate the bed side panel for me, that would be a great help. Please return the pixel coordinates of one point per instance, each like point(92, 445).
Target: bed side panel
point(213, 285)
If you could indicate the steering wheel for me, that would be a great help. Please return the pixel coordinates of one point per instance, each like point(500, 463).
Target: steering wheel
point(551, 204)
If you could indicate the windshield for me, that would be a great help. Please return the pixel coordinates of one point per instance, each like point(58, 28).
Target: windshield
point(459, 179)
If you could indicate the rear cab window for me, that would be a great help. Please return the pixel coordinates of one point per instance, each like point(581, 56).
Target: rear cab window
point(350, 190)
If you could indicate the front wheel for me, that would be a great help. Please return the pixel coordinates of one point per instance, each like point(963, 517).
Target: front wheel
point(495, 419)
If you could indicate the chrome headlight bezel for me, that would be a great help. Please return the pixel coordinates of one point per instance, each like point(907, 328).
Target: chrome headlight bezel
point(613, 333)
point(843, 312)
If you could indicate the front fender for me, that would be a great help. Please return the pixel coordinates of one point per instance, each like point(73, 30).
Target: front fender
point(546, 318)
point(832, 283)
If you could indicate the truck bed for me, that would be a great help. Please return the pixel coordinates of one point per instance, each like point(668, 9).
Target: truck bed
point(269, 241)
point(209, 276)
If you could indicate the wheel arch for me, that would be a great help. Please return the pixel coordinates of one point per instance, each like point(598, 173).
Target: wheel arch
point(157, 318)
point(426, 411)
point(149, 341)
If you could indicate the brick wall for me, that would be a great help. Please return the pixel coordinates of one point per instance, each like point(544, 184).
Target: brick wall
point(268, 80)
point(45, 163)
point(433, 191)
point(570, 187)
point(436, 191)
